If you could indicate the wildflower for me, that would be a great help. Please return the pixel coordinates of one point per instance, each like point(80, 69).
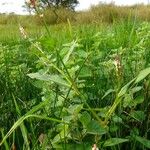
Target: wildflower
point(95, 147)
point(117, 63)
point(31, 3)
point(22, 31)
point(118, 68)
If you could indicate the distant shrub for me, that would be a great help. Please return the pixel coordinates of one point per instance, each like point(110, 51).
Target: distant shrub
point(86, 17)
point(110, 13)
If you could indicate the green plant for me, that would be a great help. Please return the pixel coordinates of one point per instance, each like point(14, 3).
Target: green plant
point(84, 87)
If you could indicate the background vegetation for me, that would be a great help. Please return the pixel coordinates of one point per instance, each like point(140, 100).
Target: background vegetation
point(100, 14)
point(96, 14)
point(77, 79)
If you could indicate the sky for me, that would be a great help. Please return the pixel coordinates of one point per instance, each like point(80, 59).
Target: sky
point(16, 5)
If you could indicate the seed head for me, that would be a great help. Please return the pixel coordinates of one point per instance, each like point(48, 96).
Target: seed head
point(117, 63)
point(22, 31)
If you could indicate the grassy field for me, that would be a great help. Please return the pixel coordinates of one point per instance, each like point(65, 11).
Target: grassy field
point(72, 85)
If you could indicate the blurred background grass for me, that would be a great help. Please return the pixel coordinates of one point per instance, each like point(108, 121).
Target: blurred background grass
point(99, 14)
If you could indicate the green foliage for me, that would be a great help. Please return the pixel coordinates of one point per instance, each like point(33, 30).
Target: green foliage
point(114, 141)
point(142, 75)
point(77, 85)
point(143, 141)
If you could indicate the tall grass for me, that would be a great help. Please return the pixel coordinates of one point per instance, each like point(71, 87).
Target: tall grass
point(110, 13)
point(96, 14)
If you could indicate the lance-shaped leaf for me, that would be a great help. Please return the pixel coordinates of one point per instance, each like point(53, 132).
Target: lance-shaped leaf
point(45, 77)
point(143, 74)
point(114, 141)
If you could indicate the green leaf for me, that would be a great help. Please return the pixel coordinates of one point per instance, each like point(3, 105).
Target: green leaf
point(22, 126)
point(95, 128)
point(67, 119)
point(63, 134)
point(134, 132)
point(45, 77)
point(136, 89)
point(75, 109)
point(108, 92)
point(117, 119)
point(85, 72)
point(20, 121)
point(128, 101)
point(5, 142)
point(138, 115)
point(139, 100)
point(125, 88)
point(85, 118)
point(114, 141)
point(143, 141)
point(143, 74)
point(113, 128)
point(73, 46)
